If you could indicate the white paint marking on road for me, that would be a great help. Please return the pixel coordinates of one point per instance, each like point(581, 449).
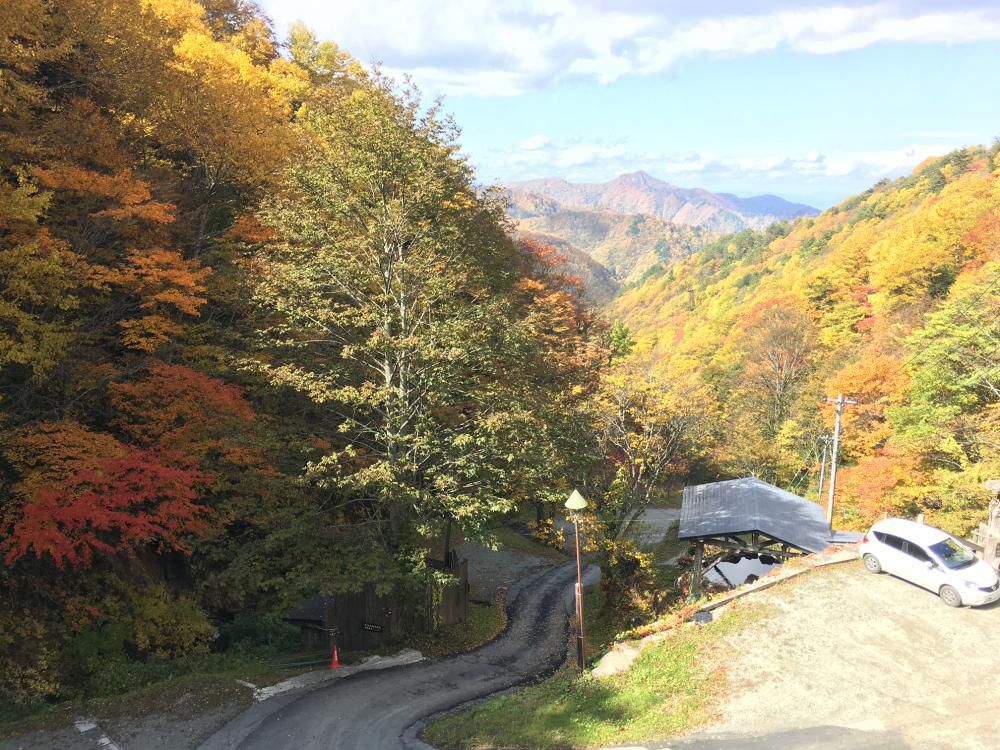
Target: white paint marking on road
point(309, 679)
point(244, 683)
point(83, 726)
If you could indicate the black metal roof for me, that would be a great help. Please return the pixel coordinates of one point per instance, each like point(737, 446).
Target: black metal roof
point(740, 506)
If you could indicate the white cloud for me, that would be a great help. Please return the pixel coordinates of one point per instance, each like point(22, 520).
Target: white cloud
point(952, 134)
point(535, 142)
point(747, 173)
point(490, 48)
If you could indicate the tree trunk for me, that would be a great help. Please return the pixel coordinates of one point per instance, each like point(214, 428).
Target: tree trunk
point(447, 543)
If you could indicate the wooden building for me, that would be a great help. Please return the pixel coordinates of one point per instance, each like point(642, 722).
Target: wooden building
point(365, 619)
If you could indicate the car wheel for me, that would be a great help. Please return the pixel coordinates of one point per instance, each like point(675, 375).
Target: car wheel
point(950, 596)
point(872, 565)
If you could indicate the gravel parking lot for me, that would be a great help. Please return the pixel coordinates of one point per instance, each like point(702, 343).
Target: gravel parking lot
point(849, 659)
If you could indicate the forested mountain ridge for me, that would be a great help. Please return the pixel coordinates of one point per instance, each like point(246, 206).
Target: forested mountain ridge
point(597, 284)
point(636, 224)
point(640, 193)
point(627, 245)
point(892, 298)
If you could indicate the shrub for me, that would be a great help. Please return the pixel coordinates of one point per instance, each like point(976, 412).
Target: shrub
point(255, 632)
point(164, 625)
point(546, 532)
point(31, 665)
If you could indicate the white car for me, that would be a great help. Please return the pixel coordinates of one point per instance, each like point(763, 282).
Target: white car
point(930, 558)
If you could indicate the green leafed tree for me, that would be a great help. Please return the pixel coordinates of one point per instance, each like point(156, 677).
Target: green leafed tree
point(952, 417)
point(390, 284)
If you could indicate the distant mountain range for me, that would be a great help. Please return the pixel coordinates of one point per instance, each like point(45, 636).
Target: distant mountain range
point(614, 234)
point(640, 193)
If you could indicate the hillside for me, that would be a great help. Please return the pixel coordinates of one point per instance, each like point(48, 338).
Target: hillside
point(890, 297)
point(597, 283)
point(260, 336)
point(626, 245)
point(640, 193)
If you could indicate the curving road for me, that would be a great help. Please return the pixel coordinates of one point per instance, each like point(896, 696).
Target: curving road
point(385, 710)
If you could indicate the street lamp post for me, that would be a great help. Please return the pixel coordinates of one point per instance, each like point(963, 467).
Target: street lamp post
point(575, 504)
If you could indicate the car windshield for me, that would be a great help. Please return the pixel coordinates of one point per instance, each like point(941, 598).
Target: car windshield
point(953, 554)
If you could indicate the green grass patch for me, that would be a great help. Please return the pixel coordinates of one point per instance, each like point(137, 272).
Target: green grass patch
point(187, 686)
point(510, 539)
point(602, 623)
point(673, 687)
point(671, 499)
point(670, 546)
point(483, 624)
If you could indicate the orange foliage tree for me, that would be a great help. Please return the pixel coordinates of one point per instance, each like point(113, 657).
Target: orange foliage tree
point(122, 504)
point(175, 408)
point(871, 488)
point(876, 382)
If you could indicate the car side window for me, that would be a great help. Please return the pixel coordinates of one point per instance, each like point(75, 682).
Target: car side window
point(893, 541)
point(918, 552)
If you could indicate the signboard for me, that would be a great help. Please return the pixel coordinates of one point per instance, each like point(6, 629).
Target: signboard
point(371, 627)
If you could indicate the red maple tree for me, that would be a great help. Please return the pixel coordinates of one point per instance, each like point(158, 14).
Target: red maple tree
point(123, 504)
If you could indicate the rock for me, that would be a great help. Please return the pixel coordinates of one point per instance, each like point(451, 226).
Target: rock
point(616, 661)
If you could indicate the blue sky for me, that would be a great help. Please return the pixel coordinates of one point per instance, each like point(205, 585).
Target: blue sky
point(810, 100)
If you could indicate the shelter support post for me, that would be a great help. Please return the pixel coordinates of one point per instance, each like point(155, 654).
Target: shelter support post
point(699, 553)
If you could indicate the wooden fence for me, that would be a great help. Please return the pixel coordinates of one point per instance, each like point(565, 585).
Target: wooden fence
point(367, 618)
point(987, 535)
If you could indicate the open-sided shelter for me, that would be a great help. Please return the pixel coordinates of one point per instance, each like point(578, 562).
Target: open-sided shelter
point(751, 516)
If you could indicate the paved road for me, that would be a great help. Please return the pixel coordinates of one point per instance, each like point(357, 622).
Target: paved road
point(383, 710)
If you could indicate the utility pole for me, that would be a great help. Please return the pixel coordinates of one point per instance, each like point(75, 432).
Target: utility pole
point(841, 402)
point(575, 504)
point(822, 465)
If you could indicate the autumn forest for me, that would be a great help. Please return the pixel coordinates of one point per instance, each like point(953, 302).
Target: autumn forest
point(263, 334)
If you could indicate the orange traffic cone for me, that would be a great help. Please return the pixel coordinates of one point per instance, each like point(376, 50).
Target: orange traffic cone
point(334, 659)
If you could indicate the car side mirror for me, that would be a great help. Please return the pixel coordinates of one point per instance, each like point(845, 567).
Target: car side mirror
point(930, 565)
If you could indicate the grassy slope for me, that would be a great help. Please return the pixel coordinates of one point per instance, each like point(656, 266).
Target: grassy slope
point(511, 540)
point(483, 625)
point(673, 687)
point(213, 685)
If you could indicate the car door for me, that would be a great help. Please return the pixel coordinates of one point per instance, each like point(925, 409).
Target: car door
point(909, 568)
point(891, 555)
point(923, 571)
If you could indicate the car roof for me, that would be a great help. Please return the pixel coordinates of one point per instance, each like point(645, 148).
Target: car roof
point(911, 530)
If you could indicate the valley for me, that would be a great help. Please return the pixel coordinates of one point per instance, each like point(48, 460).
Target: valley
point(635, 223)
point(342, 382)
